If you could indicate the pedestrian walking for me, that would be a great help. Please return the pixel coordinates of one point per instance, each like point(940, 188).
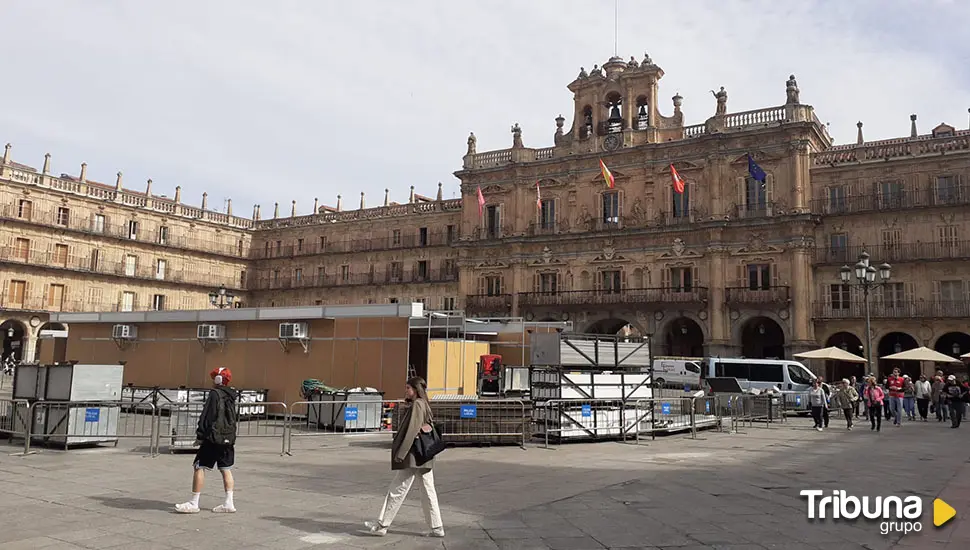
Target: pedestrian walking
point(939, 400)
point(416, 418)
point(909, 397)
point(923, 394)
point(896, 383)
point(874, 397)
point(844, 398)
point(955, 394)
point(217, 438)
point(818, 402)
point(827, 390)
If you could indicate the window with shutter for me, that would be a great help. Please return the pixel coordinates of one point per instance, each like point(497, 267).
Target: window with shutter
point(548, 283)
point(759, 277)
point(839, 297)
point(63, 216)
point(947, 190)
point(755, 197)
point(60, 255)
point(160, 266)
point(131, 263)
point(21, 249)
point(98, 224)
point(25, 210)
point(611, 208)
point(948, 241)
point(493, 221)
point(127, 301)
point(17, 293)
point(836, 199)
point(680, 205)
point(547, 215)
point(681, 279)
point(890, 195)
point(610, 281)
point(892, 240)
point(839, 247)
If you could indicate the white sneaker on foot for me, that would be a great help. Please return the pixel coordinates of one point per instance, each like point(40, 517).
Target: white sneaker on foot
point(437, 533)
point(187, 508)
point(374, 529)
point(819, 429)
point(223, 509)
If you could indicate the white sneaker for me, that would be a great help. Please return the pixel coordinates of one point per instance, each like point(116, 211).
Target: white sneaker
point(223, 509)
point(437, 533)
point(849, 428)
point(186, 508)
point(819, 429)
point(374, 529)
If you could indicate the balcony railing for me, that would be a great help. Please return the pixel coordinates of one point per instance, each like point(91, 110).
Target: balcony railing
point(903, 199)
point(27, 303)
point(38, 259)
point(488, 303)
point(642, 296)
point(354, 279)
point(144, 235)
point(746, 295)
point(894, 253)
point(558, 226)
point(917, 309)
point(755, 210)
point(261, 251)
point(489, 233)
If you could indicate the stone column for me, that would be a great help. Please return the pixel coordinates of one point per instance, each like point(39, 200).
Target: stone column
point(801, 164)
point(803, 337)
point(719, 340)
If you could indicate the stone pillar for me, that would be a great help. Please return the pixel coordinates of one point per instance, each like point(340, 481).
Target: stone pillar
point(47, 164)
point(84, 172)
point(719, 321)
point(801, 164)
point(802, 335)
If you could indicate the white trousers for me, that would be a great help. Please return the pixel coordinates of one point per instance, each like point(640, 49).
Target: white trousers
point(399, 490)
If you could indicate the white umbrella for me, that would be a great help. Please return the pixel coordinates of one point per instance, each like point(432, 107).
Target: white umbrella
point(832, 353)
point(965, 356)
point(922, 353)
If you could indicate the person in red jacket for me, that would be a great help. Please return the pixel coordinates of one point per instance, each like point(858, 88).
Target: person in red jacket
point(896, 383)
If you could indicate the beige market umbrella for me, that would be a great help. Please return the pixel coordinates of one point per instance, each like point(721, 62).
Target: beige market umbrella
point(922, 353)
point(965, 356)
point(831, 354)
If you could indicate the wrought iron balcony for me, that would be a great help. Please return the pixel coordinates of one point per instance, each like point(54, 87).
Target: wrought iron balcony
point(745, 295)
point(764, 209)
point(894, 253)
point(414, 276)
point(639, 296)
point(268, 249)
point(898, 199)
point(488, 303)
point(913, 309)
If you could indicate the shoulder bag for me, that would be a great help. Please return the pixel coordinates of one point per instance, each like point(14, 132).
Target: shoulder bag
point(428, 444)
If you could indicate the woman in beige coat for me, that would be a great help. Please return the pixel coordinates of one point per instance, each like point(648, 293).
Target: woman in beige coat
point(417, 417)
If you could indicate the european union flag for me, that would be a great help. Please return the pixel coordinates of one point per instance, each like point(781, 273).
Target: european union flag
point(755, 171)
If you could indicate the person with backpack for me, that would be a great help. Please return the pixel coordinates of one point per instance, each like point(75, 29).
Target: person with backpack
point(955, 394)
point(217, 438)
point(416, 419)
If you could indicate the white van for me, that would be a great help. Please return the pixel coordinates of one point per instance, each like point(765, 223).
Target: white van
point(676, 371)
point(788, 376)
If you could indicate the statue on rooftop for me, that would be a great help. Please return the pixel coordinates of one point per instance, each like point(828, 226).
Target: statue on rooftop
point(646, 60)
point(596, 71)
point(472, 142)
point(582, 73)
point(721, 97)
point(516, 136)
point(791, 88)
point(633, 63)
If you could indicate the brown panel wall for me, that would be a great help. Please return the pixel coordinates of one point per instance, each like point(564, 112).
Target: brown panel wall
point(168, 355)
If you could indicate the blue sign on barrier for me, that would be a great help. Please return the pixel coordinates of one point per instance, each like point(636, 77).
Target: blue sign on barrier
point(350, 413)
point(92, 415)
point(798, 401)
point(665, 408)
point(469, 411)
point(686, 387)
point(587, 411)
point(707, 407)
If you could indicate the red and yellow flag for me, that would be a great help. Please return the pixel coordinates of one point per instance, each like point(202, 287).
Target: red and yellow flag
point(607, 176)
point(676, 180)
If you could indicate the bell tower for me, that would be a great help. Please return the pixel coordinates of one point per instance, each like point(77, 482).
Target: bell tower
point(619, 98)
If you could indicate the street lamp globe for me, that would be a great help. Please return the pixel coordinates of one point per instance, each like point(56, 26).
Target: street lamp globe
point(860, 271)
point(956, 348)
point(845, 274)
point(870, 274)
point(885, 271)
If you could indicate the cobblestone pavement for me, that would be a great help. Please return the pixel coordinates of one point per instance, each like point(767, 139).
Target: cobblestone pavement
point(721, 490)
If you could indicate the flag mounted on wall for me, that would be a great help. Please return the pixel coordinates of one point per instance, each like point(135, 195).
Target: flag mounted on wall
point(755, 171)
point(677, 181)
point(481, 202)
point(538, 198)
point(607, 175)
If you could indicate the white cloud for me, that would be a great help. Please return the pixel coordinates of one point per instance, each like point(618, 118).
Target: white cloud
point(269, 102)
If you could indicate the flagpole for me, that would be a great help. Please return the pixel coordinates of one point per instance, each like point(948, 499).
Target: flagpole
point(616, 17)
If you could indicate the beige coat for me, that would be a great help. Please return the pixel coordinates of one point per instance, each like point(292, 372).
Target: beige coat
point(415, 416)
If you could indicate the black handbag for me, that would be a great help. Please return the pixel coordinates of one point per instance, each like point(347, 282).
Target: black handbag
point(427, 445)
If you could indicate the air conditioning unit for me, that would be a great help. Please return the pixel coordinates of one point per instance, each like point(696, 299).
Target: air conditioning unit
point(124, 332)
point(293, 331)
point(212, 332)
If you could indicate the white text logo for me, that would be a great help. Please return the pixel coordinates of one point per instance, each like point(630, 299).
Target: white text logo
point(897, 514)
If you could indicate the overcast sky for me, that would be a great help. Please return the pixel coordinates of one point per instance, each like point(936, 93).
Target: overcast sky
point(275, 101)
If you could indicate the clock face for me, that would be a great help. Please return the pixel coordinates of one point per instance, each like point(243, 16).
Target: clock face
point(611, 143)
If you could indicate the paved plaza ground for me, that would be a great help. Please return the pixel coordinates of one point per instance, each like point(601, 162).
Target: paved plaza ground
point(721, 490)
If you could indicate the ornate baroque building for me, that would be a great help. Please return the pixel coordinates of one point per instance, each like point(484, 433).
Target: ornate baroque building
point(732, 266)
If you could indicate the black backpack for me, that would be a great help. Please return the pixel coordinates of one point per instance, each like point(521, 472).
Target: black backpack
point(223, 431)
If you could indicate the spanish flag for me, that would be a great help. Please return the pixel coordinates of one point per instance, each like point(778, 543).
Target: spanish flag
point(607, 176)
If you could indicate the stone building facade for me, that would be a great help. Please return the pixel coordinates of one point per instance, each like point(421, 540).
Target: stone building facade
point(732, 266)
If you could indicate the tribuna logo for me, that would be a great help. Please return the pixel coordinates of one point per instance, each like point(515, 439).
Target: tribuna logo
point(897, 514)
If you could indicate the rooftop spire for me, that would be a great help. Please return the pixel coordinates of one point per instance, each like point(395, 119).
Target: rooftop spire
point(858, 138)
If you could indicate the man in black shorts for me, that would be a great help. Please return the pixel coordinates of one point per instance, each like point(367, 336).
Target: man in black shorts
point(217, 436)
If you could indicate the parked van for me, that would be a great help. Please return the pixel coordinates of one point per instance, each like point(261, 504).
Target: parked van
point(677, 371)
point(789, 376)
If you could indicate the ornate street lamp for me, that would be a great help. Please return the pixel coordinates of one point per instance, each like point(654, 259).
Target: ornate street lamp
point(866, 278)
point(221, 298)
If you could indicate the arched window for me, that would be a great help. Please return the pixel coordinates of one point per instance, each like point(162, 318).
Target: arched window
point(587, 128)
point(643, 113)
point(614, 122)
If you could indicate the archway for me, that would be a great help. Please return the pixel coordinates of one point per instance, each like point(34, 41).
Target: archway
point(762, 338)
point(684, 338)
point(614, 327)
point(14, 335)
point(895, 342)
point(953, 344)
point(51, 339)
point(837, 370)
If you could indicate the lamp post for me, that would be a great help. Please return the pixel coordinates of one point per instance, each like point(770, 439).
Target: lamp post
point(866, 278)
point(221, 298)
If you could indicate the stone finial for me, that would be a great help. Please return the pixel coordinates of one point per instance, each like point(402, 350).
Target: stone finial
point(387, 197)
point(276, 210)
point(439, 191)
point(259, 214)
point(47, 164)
point(338, 203)
point(678, 101)
point(472, 143)
point(361, 200)
point(293, 210)
point(411, 196)
point(84, 172)
point(148, 188)
point(858, 138)
point(560, 120)
point(6, 153)
point(255, 211)
point(118, 182)
point(229, 207)
point(178, 194)
point(316, 205)
point(205, 200)
point(912, 126)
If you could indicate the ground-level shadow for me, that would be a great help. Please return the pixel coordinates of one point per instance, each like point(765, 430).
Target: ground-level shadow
point(127, 503)
point(333, 527)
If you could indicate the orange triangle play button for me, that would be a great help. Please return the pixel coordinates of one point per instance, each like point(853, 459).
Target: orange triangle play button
point(942, 512)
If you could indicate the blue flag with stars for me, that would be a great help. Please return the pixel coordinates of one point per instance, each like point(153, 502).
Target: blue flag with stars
point(755, 171)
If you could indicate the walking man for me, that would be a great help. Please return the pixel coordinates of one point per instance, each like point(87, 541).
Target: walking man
point(217, 436)
point(955, 394)
point(896, 383)
point(923, 393)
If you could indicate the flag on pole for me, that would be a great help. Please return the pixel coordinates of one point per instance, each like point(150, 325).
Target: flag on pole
point(538, 198)
point(607, 176)
point(678, 181)
point(481, 202)
point(755, 171)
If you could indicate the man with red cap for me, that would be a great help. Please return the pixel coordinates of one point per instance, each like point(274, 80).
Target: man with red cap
point(217, 436)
